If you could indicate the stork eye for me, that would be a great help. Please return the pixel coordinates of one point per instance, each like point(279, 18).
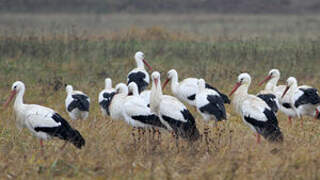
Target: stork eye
point(15, 87)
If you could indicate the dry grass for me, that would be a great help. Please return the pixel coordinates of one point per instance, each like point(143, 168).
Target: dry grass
point(45, 63)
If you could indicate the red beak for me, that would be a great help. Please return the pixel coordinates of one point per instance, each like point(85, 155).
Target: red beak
point(238, 84)
point(317, 114)
point(265, 80)
point(285, 91)
point(145, 62)
point(156, 82)
point(165, 83)
point(13, 93)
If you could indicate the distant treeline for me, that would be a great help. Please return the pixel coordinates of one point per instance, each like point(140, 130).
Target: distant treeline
point(156, 6)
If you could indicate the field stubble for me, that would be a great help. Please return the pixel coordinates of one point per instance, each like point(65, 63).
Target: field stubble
point(45, 62)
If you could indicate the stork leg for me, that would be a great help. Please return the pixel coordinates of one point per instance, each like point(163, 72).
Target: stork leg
point(258, 138)
point(133, 135)
point(290, 120)
point(301, 122)
point(159, 134)
point(41, 145)
point(64, 145)
point(177, 141)
point(206, 138)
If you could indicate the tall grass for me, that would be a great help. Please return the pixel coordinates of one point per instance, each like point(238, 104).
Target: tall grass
point(46, 62)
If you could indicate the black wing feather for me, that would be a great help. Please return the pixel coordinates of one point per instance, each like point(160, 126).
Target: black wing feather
point(310, 96)
point(187, 130)
point(268, 129)
point(64, 131)
point(80, 101)
point(215, 107)
point(270, 99)
point(107, 101)
point(152, 120)
point(225, 97)
point(138, 78)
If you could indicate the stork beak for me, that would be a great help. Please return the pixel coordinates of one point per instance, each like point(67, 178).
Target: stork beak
point(13, 93)
point(165, 83)
point(265, 80)
point(285, 91)
point(238, 84)
point(156, 82)
point(145, 62)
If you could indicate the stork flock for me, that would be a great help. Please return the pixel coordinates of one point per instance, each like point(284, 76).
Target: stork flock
point(151, 109)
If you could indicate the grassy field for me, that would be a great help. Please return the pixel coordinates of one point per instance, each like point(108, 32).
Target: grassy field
point(47, 51)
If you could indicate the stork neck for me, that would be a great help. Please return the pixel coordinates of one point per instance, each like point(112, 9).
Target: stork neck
point(135, 91)
point(19, 98)
point(174, 83)
point(108, 84)
point(139, 63)
point(239, 95)
point(155, 97)
point(272, 83)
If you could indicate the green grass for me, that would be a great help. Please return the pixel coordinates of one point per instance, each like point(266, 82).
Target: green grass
point(46, 61)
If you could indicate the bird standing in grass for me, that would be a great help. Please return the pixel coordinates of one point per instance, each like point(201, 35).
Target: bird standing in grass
point(254, 111)
point(77, 104)
point(172, 113)
point(105, 97)
point(210, 105)
point(139, 75)
point(43, 122)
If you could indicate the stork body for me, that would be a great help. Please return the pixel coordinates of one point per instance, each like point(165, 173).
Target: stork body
point(254, 111)
point(116, 105)
point(139, 75)
point(137, 113)
point(209, 103)
point(42, 122)
point(172, 113)
point(187, 89)
point(302, 100)
point(77, 104)
point(105, 97)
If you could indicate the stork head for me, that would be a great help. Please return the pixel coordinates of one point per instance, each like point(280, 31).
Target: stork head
point(273, 73)
point(243, 79)
point(108, 83)
point(291, 81)
point(171, 74)
point(133, 88)
point(121, 88)
point(202, 84)
point(17, 87)
point(156, 78)
point(139, 57)
point(69, 88)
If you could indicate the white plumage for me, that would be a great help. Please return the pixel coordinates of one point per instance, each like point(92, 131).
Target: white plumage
point(136, 111)
point(139, 75)
point(254, 111)
point(187, 89)
point(105, 97)
point(209, 103)
point(116, 105)
point(43, 122)
point(172, 113)
point(301, 100)
point(77, 104)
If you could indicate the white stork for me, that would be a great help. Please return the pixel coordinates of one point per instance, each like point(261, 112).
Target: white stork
point(272, 93)
point(105, 97)
point(187, 89)
point(139, 75)
point(136, 111)
point(77, 104)
point(302, 100)
point(145, 95)
point(117, 101)
point(254, 111)
point(210, 105)
point(43, 122)
point(172, 113)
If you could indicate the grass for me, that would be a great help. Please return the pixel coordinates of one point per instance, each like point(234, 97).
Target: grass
point(45, 61)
